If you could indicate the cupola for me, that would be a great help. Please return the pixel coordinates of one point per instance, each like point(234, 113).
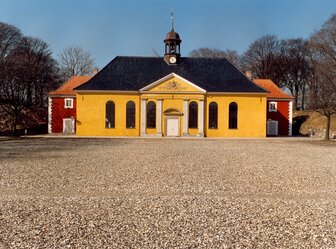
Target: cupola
point(172, 46)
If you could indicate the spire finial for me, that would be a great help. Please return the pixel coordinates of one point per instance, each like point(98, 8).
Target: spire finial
point(172, 19)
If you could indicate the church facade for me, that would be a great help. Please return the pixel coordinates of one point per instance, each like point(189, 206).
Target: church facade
point(172, 96)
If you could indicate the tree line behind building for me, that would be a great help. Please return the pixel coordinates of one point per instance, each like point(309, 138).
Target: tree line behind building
point(28, 71)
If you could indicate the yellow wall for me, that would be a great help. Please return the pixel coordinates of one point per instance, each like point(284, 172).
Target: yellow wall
point(91, 114)
point(91, 111)
point(251, 116)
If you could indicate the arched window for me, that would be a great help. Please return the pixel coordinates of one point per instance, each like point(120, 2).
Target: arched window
point(110, 114)
point(130, 114)
point(233, 115)
point(193, 112)
point(213, 115)
point(151, 114)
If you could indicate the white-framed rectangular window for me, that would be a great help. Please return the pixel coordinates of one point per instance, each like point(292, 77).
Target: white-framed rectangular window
point(272, 106)
point(68, 103)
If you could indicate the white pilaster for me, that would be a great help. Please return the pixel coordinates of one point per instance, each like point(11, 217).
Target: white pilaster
point(290, 118)
point(185, 116)
point(49, 114)
point(143, 117)
point(201, 118)
point(159, 117)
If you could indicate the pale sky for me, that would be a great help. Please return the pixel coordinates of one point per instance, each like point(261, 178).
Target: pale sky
point(107, 28)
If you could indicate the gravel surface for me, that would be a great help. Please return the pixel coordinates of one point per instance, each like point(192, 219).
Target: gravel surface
point(167, 193)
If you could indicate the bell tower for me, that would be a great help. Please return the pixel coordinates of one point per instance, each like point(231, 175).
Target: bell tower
point(172, 45)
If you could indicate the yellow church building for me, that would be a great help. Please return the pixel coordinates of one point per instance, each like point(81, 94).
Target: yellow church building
point(170, 96)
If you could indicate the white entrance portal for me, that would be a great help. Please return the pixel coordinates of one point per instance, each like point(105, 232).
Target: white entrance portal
point(173, 127)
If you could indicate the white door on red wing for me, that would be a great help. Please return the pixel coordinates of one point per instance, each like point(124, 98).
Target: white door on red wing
point(172, 127)
point(68, 125)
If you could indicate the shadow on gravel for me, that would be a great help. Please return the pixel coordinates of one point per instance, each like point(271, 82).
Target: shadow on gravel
point(325, 143)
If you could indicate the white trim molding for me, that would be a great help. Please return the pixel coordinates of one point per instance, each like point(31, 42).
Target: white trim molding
point(165, 78)
point(143, 117)
point(201, 118)
point(290, 118)
point(159, 117)
point(185, 117)
point(49, 115)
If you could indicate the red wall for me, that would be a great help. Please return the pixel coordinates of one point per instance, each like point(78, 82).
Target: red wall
point(281, 115)
point(59, 112)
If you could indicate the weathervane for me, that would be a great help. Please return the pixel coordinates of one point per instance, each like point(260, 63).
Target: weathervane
point(172, 19)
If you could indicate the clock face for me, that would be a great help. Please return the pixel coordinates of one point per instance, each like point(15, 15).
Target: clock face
point(172, 59)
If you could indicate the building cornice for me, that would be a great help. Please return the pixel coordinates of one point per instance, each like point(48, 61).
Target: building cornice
point(142, 92)
point(62, 95)
point(280, 99)
point(236, 93)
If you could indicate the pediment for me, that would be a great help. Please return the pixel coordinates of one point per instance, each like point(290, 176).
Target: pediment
point(172, 112)
point(172, 83)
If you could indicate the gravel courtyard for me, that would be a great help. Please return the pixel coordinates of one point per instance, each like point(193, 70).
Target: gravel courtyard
point(167, 193)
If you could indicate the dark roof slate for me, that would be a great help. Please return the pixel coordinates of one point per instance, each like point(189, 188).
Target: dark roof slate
point(133, 73)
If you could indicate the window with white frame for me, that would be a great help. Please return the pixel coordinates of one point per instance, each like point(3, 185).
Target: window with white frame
point(272, 107)
point(68, 103)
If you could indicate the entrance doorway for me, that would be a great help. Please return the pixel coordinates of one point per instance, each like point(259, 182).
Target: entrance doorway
point(68, 125)
point(173, 127)
point(172, 122)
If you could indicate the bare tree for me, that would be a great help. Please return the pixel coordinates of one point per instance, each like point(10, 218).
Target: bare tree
point(75, 61)
point(296, 71)
point(12, 94)
point(284, 61)
point(10, 36)
point(231, 55)
point(263, 58)
point(323, 51)
point(323, 98)
point(27, 72)
point(39, 70)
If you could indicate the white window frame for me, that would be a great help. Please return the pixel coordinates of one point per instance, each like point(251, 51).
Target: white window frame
point(270, 104)
point(65, 103)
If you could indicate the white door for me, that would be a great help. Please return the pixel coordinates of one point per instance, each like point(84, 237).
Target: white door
point(272, 128)
point(68, 125)
point(172, 127)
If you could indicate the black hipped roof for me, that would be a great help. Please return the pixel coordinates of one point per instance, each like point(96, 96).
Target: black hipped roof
point(133, 73)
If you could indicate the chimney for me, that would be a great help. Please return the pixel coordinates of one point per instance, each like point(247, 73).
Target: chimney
point(249, 75)
point(95, 71)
